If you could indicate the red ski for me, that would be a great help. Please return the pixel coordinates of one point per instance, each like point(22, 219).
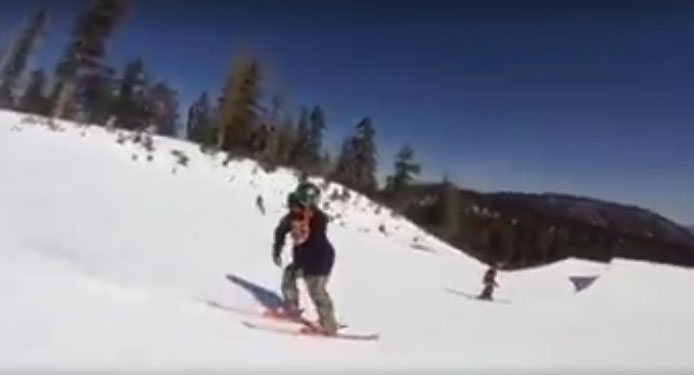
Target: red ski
point(267, 314)
point(307, 331)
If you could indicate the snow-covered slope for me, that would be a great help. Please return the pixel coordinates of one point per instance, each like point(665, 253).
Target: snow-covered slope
point(106, 262)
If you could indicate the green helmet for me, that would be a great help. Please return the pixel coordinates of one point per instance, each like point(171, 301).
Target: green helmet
point(306, 194)
point(293, 200)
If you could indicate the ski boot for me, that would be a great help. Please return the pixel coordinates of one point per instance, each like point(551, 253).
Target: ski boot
point(287, 311)
point(321, 328)
point(315, 329)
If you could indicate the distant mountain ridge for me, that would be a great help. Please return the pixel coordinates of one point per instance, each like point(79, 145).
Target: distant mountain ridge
point(614, 216)
point(525, 229)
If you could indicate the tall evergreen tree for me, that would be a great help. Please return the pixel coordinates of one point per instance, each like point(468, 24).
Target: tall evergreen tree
point(286, 139)
point(326, 164)
point(132, 108)
point(34, 99)
point(274, 123)
point(269, 152)
point(18, 58)
point(356, 164)
point(257, 140)
point(301, 153)
point(191, 122)
point(277, 111)
point(365, 163)
point(405, 170)
point(84, 52)
point(200, 118)
point(163, 103)
point(96, 92)
point(238, 106)
point(345, 166)
point(315, 143)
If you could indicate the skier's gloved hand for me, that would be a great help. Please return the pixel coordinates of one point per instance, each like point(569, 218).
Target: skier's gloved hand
point(277, 259)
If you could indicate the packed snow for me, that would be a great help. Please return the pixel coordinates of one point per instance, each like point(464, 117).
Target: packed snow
point(108, 258)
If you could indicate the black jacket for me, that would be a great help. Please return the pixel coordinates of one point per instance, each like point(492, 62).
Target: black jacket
point(315, 256)
point(490, 277)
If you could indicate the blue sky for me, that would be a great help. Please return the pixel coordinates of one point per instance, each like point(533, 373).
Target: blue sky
point(585, 97)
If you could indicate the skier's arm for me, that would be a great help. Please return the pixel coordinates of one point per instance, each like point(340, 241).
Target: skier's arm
point(320, 223)
point(280, 233)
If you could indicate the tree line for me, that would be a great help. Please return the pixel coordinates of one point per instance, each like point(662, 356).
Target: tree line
point(84, 87)
point(241, 121)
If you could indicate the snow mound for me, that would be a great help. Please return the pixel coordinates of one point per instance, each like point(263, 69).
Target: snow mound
point(553, 282)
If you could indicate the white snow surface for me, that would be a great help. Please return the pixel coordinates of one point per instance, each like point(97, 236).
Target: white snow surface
point(106, 261)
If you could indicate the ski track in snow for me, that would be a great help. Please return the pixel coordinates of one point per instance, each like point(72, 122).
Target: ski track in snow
point(106, 263)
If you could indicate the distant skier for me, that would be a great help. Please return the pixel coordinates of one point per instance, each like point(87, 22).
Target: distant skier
point(489, 281)
point(313, 255)
point(259, 203)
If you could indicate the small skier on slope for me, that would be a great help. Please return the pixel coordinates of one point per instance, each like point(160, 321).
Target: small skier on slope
point(489, 281)
point(313, 255)
point(259, 203)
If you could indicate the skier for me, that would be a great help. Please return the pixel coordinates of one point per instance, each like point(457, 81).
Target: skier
point(259, 203)
point(313, 255)
point(489, 281)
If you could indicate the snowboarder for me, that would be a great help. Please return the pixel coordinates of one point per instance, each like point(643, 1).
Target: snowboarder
point(313, 255)
point(489, 281)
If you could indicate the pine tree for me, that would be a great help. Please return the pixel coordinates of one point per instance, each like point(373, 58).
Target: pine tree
point(286, 139)
point(96, 93)
point(257, 142)
point(200, 117)
point(163, 103)
point(277, 111)
point(191, 122)
point(326, 164)
point(18, 58)
point(273, 121)
point(345, 167)
point(34, 99)
point(265, 142)
point(84, 52)
point(300, 156)
point(315, 142)
point(405, 169)
point(238, 106)
point(132, 108)
point(269, 151)
point(356, 164)
point(365, 157)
